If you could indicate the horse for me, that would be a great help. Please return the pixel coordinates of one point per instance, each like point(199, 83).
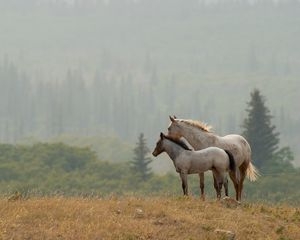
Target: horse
point(199, 135)
point(187, 161)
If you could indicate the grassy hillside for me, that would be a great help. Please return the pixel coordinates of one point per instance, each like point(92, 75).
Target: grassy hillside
point(144, 218)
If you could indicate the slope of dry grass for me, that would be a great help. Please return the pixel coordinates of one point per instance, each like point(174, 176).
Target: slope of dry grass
point(143, 218)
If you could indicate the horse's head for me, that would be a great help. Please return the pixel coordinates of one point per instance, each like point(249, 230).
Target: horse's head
point(159, 146)
point(175, 128)
point(195, 132)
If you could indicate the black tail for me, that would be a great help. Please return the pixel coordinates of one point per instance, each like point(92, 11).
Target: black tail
point(231, 161)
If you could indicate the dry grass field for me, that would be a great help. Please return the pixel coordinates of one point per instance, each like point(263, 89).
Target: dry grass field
point(144, 218)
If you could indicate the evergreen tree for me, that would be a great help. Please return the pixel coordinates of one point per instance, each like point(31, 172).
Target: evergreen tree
point(282, 161)
point(259, 131)
point(140, 163)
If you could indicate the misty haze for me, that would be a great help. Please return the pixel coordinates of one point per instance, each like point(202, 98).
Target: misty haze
point(87, 86)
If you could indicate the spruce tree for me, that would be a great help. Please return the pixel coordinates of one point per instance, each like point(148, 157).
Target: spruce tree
point(140, 163)
point(260, 132)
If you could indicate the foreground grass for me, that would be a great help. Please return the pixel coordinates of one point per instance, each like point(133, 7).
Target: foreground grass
point(143, 218)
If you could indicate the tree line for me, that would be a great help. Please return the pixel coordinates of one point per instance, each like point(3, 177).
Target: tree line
point(109, 104)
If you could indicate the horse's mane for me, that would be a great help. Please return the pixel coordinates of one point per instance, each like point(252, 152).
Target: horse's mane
point(200, 125)
point(178, 142)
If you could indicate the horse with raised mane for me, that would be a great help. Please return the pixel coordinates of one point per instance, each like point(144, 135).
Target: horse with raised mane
point(200, 136)
point(187, 161)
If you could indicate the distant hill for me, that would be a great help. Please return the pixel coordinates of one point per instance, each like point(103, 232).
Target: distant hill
point(111, 149)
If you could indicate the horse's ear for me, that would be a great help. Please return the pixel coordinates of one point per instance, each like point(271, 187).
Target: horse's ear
point(172, 118)
point(162, 135)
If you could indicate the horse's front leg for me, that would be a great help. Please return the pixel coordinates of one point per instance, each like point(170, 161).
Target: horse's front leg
point(201, 176)
point(183, 177)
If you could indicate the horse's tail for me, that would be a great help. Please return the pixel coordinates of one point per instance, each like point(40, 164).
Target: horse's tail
point(252, 172)
point(231, 161)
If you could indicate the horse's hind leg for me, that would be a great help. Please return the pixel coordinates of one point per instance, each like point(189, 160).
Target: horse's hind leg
point(243, 170)
point(235, 184)
point(218, 180)
point(239, 185)
point(226, 186)
point(201, 176)
point(220, 183)
point(215, 181)
point(183, 177)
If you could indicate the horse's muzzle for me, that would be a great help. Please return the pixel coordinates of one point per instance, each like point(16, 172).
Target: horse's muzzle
point(154, 153)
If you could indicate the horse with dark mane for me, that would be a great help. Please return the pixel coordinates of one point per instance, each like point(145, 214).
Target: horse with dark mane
point(187, 161)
